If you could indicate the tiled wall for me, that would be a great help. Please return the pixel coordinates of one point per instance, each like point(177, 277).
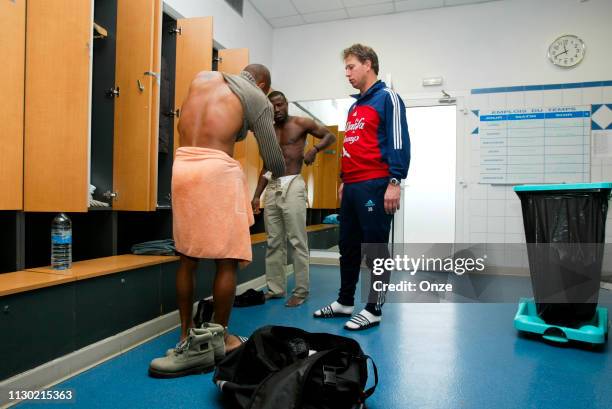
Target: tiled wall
point(494, 210)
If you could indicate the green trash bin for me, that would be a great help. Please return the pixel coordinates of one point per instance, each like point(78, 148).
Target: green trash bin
point(565, 233)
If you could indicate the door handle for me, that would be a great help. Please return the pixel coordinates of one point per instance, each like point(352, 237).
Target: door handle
point(155, 75)
point(173, 114)
point(113, 92)
point(111, 195)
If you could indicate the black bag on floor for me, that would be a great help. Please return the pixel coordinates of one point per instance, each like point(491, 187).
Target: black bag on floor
point(284, 367)
point(250, 298)
point(204, 313)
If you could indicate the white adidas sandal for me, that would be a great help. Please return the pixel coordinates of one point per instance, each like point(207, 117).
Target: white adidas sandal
point(328, 312)
point(360, 322)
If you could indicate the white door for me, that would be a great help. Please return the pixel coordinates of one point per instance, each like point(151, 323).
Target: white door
point(428, 207)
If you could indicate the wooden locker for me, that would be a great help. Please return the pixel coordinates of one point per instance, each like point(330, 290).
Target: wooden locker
point(194, 53)
point(57, 105)
point(137, 108)
point(325, 175)
point(232, 61)
point(308, 172)
point(12, 48)
point(339, 144)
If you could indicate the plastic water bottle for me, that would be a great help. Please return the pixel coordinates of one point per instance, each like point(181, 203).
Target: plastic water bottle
point(61, 242)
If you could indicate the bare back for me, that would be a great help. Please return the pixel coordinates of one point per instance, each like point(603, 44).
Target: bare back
point(211, 115)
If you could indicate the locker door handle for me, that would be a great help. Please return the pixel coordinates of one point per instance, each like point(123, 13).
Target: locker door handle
point(173, 114)
point(113, 92)
point(155, 75)
point(111, 195)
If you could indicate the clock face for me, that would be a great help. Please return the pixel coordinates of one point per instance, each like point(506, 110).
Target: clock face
point(566, 51)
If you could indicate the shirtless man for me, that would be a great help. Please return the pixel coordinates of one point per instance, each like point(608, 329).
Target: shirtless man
point(210, 207)
point(286, 201)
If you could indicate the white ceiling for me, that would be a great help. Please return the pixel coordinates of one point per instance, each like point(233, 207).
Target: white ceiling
point(285, 13)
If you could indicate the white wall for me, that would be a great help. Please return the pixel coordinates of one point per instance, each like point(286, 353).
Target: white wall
point(230, 30)
point(491, 44)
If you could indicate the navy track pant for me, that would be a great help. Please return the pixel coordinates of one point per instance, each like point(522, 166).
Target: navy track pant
point(363, 220)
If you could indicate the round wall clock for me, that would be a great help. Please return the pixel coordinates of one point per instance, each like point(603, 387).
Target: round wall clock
point(566, 51)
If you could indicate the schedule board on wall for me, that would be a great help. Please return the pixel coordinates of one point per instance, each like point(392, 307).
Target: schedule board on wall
point(535, 145)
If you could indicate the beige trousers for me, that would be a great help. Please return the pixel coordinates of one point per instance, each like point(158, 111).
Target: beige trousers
point(285, 219)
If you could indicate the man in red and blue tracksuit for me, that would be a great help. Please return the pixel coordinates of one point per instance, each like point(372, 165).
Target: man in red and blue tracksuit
point(375, 158)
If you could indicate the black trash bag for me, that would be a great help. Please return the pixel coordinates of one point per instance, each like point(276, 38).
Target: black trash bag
point(565, 234)
point(284, 367)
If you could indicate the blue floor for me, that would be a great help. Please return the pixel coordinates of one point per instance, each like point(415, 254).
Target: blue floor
point(428, 355)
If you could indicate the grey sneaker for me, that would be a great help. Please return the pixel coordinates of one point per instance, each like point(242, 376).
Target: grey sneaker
point(195, 354)
point(218, 341)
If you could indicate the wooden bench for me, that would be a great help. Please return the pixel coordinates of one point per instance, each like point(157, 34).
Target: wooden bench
point(41, 277)
point(262, 237)
point(82, 270)
point(20, 281)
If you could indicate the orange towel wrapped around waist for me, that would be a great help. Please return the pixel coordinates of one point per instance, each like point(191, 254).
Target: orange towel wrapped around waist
point(211, 209)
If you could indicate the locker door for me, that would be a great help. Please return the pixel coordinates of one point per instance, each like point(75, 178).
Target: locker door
point(308, 173)
point(138, 64)
point(57, 105)
point(232, 61)
point(339, 145)
point(12, 48)
point(325, 175)
point(194, 53)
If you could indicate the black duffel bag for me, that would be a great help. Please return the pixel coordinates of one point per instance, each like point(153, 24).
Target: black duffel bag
point(284, 367)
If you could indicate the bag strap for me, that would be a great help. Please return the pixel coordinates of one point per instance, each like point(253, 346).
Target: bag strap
point(371, 390)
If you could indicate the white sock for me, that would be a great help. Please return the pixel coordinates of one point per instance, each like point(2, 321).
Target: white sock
point(357, 322)
point(337, 308)
point(346, 309)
